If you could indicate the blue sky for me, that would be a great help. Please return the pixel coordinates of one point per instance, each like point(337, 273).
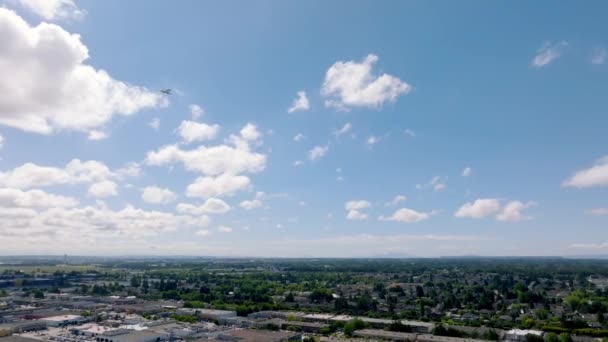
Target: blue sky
point(303, 128)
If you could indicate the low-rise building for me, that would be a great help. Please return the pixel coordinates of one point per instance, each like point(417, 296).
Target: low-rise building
point(64, 320)
point(520, 334)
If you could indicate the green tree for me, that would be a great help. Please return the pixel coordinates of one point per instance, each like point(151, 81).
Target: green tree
point(351, 326)
point(565, 337)
point(551, 337)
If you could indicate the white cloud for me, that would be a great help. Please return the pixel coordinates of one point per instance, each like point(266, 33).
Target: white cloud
point(222, 185)
point(548, 53)
point(345, 129)
point(372, 140)
point(131, 169)
point(211, 206)
point(155, 124)
point(203, 232)
point(599, 211)
point(482, 207)
point(298, 137)
point(254, 203)
point(597, 175)
point(212, 161)
point(396, 200)
point(196, 111)
point(224, 229)
point(467, 172)
point(97, 135)
point(299, 104)
point(354, 208)
point(87, 227)
point(157, 195)
point(317, 152)
point(409, 133)
point(250, 132)
point(54, 9)
point(356, 215)
point(357, 205)
point(104, 188)
point(298, 163)
point(407, 215)
point(435, 183)
point(352, 84)
point(30, 175)
point(599, 56)
point(15, 198)
point(67, 94)
point(192, 131)
point(1, 141)
point(511, 212)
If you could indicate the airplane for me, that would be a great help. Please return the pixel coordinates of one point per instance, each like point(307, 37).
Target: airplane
point(166, 91)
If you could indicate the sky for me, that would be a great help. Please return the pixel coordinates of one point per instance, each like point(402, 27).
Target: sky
point(303, 129)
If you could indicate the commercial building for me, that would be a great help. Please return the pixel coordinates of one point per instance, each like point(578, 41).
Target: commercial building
point(131, 336)
point(64, 320)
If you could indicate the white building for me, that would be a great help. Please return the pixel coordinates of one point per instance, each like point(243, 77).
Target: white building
point(64, 320)
point(519, 335)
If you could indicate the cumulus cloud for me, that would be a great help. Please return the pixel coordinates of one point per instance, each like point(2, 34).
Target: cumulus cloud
point(222, 185)
point(299, 104)
point(211, 206)
point(356, 215)
point(97, 135)
point(352, 84)
point(254, 203)
point(482, 207)
point(597, 175)
point(345, 129)
point(317, 152)
point(30, 175)
point(354, 209)
point(192, 131)
point(203, 232)
point(15, 198)
point(212, 161)
point(47, 87)
point(157, 195)
point(512, 212)
point(196, 111)
point(407, 215)
point(54, 9)
point(298, 163)
point(548, 53)
point(298, 137)
point(250, 132)
point(1, 141)
point(357, 205)
point(467, 172)
point(396, 200)
point(102, 189)
point(128, 221)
